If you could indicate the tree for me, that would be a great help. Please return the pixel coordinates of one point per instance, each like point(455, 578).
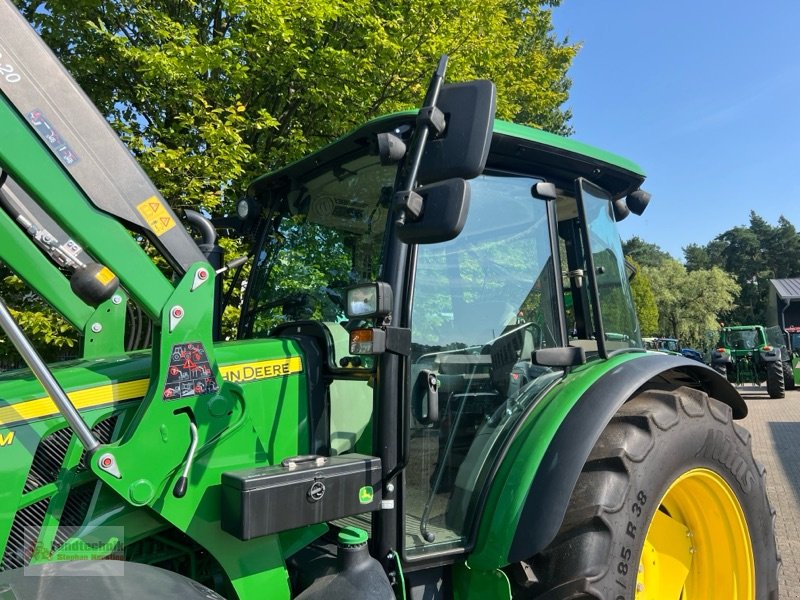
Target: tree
point(644, 253)
point(644, 300)
point(689, 303)
point(208, 95)
point(753, 254)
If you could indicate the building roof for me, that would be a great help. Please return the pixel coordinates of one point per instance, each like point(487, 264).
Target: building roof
point(788, 289)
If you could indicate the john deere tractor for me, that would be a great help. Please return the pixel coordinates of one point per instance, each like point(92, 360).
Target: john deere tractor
point(755, 354)
point(439, 388)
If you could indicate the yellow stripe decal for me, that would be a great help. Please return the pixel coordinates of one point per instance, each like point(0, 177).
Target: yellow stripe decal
point(88, 398)
point(264, 369)
point(130, 390)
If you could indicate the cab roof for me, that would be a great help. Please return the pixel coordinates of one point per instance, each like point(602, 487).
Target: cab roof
point(514, 147)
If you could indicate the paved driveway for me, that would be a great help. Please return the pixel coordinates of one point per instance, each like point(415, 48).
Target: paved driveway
point(775, 426)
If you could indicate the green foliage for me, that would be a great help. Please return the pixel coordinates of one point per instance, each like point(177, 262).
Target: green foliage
point(645, 301)
point(209, 94)
point(753, 254)
point(689, 301)
point(52, 336)
point(644, 253)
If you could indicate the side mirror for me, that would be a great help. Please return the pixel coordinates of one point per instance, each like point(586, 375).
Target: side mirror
point(462, 149)
point(544, 190)
point(621, 209)
point(560, 357)
point(445, 207)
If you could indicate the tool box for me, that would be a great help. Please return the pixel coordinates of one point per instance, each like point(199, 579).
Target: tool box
point(300, 491)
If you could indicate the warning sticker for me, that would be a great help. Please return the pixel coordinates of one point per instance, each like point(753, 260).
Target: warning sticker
point(156, 215)
point(189, 372)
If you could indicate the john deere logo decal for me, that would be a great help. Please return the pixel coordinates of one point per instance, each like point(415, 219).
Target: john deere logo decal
point(365, 494)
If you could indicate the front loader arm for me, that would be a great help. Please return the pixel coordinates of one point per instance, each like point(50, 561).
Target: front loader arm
point(191, 425)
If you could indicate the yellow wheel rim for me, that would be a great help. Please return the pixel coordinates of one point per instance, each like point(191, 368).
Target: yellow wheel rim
point(698, 544)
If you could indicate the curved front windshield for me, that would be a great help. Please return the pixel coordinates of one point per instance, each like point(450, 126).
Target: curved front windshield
point(743, 339)
point(329, 236)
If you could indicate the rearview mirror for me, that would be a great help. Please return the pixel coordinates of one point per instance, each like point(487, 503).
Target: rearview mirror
point(461, 151)
point(445, 207)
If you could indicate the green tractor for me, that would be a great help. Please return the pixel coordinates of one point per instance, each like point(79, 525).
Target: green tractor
point(439, 388)
point(755, 354)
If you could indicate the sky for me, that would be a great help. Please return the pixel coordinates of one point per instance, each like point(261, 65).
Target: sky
point(704, 95)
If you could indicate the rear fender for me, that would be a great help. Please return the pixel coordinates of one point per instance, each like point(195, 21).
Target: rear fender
point(516, 526)
point(720, 357)
point(770, 355)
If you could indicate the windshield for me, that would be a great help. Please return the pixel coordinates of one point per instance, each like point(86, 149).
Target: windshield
point(328, 235)
point(745, 339)
point(671, 345)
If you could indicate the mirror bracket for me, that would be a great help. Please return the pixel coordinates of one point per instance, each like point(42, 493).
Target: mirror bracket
point(432, 118)
point(408, 204)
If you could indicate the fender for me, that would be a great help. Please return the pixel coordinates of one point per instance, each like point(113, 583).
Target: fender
point(770, 355)
point(505, 538)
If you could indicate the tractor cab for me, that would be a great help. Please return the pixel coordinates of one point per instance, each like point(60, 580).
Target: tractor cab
point(436, 335)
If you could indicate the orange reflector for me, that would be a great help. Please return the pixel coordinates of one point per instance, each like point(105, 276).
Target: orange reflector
point(767, 348)
point(361, 341)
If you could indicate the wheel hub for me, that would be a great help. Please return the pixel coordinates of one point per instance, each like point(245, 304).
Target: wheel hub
point(698, 544)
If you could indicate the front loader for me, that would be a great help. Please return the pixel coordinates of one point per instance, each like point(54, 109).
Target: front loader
point(439, 388)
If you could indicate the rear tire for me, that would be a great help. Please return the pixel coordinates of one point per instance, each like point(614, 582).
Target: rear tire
point(788, 375)
point(775, 385)
point(670, 476)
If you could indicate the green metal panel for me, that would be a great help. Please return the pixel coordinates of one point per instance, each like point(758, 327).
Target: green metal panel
point(104, 333)
point(31, 165)
point(474, 584)
point(510, 486)
point(563, 144)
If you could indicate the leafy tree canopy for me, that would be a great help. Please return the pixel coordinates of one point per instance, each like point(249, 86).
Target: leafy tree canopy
point(644, 300)
point(644, 253)
point(689, 302)
point(753, 255)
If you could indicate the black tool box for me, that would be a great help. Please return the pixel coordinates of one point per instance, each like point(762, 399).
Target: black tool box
point(300, 491)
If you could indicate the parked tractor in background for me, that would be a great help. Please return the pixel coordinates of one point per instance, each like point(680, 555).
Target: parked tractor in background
point(439, 388)
point(755, 354)
point(673, 346)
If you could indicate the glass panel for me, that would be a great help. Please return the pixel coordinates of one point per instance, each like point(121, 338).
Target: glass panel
point(795, 342)
point(617, 311)
point(775, 337)
point(482, 303)
point(742, 339)
point(329, 236)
